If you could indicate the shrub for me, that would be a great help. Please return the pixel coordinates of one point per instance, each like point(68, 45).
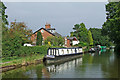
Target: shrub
point(27, 51)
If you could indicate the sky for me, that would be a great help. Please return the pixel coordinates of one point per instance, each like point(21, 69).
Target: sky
point(61, 15)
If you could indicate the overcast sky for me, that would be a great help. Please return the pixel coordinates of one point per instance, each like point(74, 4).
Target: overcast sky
point(62, 16)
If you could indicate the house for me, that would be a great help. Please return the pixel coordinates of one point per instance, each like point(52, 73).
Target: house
point(46, 32)
point(69, 41)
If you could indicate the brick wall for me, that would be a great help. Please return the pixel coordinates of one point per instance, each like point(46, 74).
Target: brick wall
point(44, 33)
point(68, 43)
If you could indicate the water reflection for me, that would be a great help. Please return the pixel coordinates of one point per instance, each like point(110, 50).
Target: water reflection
point(31, 71)
point(64, 66)
point(102, 64)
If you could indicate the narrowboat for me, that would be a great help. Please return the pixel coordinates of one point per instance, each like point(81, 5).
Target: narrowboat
point(55, 55)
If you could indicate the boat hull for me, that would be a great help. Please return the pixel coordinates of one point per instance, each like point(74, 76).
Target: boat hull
point(62, 58)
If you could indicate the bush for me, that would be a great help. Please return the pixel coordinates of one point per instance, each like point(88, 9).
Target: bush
point(27, 51)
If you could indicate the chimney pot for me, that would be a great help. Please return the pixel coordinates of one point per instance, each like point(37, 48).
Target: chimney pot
point(47, 26)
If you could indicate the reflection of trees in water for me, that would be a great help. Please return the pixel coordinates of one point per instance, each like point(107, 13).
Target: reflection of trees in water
point(32, 71)
point(108, 62)
point(105, 64)
point(46, 74)
point(64, 66)
point(111, 66)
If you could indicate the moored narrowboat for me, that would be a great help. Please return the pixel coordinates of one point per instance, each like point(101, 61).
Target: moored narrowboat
point(62, 54)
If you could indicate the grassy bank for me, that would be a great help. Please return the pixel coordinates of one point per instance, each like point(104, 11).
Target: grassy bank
point(26, 55)
point(19, 73)
point(22, 60)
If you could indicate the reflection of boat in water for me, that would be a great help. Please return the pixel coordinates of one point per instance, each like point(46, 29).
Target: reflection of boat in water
point(59, 67)
point(62, 54)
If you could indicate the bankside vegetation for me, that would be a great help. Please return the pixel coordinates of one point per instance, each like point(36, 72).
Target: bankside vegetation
point(81, 33)
point(39, 39)
point(14, 37)
point(111, 27)
point(90, 37)
point(54, 41)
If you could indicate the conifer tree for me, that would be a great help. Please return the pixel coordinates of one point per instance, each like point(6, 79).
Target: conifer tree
point(39, 39)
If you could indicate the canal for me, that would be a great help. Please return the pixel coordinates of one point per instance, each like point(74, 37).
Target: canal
point(102, 64)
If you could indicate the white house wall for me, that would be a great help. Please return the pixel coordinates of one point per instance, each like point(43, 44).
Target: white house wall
point(75, 42)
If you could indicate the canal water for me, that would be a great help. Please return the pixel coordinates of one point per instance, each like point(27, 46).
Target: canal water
point(102, 64)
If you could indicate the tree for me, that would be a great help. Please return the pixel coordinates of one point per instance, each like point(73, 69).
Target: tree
point(98, 38)
point(55, 41)
point(71, 34)
point(2, 11)
point(80, 32)
point(20, 29)
point(90, 39)
point(112, 25)
point(39, 39)
point(13, 38)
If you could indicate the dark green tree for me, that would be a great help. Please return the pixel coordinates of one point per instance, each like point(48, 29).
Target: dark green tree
point(80, 31)
point(98, 38)
point(13, 37)
point(112, 25)
point(39, 39)
point(2, 12)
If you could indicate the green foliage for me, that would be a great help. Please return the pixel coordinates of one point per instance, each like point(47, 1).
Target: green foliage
point(112, 25)
point(82, 44)
point(20, 29)
point(98, 38)
point(26, 51)
point(81, 33)
point(55, 41)
point(13, 38)
point(2, 11)
point(71, 34)
point(39, 39)
point(90, 39)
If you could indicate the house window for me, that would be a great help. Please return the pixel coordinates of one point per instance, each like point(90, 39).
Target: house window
point(42, 31)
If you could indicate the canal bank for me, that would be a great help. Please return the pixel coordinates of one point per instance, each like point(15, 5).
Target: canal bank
point(91, 65)
point(24, 61)
point(35, 59)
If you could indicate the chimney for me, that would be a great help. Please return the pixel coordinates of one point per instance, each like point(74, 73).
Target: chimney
point(47, 26)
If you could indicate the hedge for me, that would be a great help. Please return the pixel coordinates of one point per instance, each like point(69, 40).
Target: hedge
point(26, 51)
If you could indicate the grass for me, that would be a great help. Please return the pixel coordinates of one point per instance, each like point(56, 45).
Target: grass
point(23, 59)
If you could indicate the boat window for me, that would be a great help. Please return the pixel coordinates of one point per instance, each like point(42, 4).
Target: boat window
point(67, 51)
point(62, 51)
point(71, 51)
point(79, 50)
